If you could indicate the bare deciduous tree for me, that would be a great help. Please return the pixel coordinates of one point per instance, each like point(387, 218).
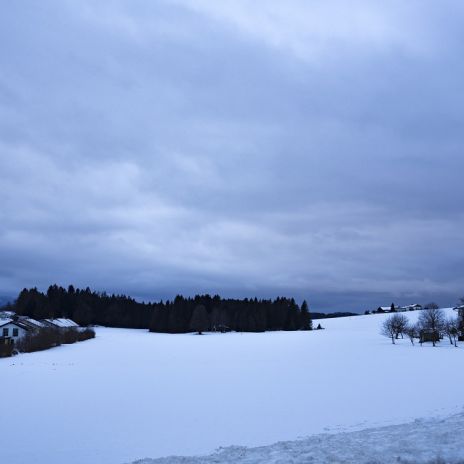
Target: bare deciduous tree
point(400, 322)
point(433, 320)
point(388, 329)
point(394, 326)
point(451, 329)
point(412, 332)
point(431, 305)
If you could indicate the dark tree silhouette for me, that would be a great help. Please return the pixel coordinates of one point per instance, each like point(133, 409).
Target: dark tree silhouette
point(388, 329)
point(431, 305)
point(432, 320)
point(199, 322)
point(305, 317)
point(88, 307)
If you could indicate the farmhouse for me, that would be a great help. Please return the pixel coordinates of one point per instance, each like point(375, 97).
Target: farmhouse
point(411, 307)
point(12, 331)
point(387, 309)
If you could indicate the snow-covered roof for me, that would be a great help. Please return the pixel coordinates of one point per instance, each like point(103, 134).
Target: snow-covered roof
point(61, 322)
point(31, 323)
point(5, 321)
point(411, 306)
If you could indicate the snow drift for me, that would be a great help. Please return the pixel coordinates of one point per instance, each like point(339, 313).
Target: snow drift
point(432, 441)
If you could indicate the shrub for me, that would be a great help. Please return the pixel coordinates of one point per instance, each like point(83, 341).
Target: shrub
point(69, 336)
point(50, 337)
point(40, 340)
point(6, 350)
point(86, 334)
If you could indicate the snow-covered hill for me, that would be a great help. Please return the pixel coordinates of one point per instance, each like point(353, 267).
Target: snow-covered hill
point(129, 394)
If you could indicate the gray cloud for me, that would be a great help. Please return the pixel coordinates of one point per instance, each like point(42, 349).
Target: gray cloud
point(305, 148)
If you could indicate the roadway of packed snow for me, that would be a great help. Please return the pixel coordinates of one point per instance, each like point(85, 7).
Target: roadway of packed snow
point(130, 394)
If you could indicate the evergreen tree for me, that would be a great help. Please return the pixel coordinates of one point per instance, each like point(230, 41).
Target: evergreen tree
point(306, 322)
point(199, 322)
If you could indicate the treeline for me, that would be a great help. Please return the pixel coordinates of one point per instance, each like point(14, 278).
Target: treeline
point(84, 306)
point(181, 315)
point(204, 313)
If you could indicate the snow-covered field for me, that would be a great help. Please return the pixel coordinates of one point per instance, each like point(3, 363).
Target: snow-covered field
point(130, 394)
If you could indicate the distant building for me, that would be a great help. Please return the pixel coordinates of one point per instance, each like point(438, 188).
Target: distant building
point(60, 323)
point(387, 309)
point(429, 335)
point(12, 331)
point(30, 323)
point(411, 307)
point(460, 310)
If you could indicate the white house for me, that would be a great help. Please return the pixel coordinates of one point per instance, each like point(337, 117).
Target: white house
point(12, 331)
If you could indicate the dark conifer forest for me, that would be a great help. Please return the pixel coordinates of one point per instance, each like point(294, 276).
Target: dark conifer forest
point(181, 315)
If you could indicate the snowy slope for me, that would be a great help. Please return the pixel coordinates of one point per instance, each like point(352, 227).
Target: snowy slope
point(129, 394)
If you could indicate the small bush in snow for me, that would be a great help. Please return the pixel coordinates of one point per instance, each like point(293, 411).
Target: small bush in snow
point(86, 334)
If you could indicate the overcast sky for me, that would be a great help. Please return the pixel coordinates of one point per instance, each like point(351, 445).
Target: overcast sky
point(305, 148)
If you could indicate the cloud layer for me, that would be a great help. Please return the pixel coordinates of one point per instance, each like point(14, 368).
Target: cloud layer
point(247, 148)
